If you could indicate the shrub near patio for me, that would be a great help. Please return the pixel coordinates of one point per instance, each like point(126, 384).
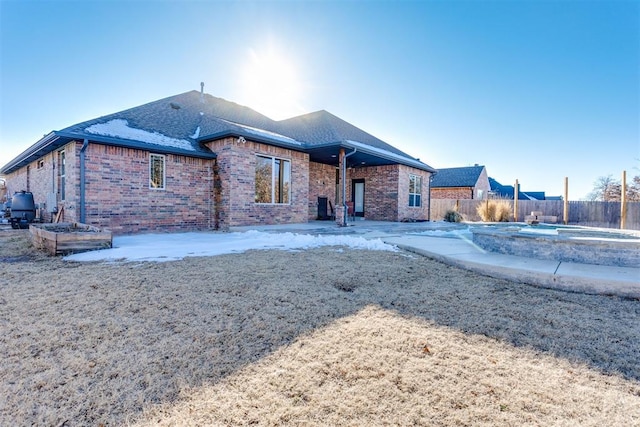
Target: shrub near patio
point(494, 210)
point(452, 216)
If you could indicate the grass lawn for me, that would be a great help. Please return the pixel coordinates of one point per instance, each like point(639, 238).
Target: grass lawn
point(327, 336)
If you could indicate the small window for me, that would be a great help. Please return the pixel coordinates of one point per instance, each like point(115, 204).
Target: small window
point(273, 180)
point(156, 171)
point(415, 191)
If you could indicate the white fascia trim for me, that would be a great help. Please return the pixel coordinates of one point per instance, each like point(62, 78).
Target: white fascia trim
point(387, 154)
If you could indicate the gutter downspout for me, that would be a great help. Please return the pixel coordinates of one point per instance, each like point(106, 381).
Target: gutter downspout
point(85, 145)
point(344, 186)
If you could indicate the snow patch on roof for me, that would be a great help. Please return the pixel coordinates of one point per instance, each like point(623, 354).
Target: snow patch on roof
point(119, 128)
point(196, 134)
point(265, 133)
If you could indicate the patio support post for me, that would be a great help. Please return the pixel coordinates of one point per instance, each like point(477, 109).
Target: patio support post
point(516, 190)
point(623, 201)
point(343, 161)
point(565, 214)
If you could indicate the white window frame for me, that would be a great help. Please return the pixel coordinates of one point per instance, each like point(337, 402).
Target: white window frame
point(417, 195)
point(164, 171)
point(274, 180)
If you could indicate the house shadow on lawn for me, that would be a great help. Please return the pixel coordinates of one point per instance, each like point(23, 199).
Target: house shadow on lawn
point(129, 336)
point(599, 332)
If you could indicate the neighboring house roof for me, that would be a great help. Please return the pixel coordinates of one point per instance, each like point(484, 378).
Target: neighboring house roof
point(507, 191)
point(180, 124)
point(457, 177)
point(535, 195)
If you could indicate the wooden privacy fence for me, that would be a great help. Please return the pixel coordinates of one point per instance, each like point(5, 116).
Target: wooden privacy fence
point(592, 214)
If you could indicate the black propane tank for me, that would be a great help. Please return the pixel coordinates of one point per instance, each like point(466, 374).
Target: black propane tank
point(23, 209)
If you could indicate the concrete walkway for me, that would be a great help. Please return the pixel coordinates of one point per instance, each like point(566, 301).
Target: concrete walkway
point(586, 278)
point(454, 247)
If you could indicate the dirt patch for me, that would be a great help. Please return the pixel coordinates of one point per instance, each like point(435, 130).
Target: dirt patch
point(317, 337)
point(69, 228)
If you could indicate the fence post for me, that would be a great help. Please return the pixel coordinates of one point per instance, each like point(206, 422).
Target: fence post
point(565, 215)
point(623, 201)
point(515, 202)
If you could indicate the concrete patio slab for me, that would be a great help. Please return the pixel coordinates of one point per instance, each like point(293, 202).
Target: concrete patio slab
point(454, 247)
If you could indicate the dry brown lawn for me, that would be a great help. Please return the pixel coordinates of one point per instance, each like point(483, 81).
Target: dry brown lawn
point(326, 336)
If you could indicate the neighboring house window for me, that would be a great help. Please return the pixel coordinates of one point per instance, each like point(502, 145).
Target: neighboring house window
point(273, 180)
point(62, 173)
point(156, 172)
point(415, 190)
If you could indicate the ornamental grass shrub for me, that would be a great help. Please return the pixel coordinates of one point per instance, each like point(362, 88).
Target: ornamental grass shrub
point(494, 210)
point(452, 216)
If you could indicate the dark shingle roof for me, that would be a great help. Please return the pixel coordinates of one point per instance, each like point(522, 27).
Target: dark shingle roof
point(179, 117)
point(180, 123)
point(457, 177)
point(322, 127)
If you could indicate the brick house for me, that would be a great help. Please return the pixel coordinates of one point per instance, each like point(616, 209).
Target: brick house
point(193, 161)
point(470, 182)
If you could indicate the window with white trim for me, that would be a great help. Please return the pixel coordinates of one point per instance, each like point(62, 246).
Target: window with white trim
point(156, 171)
point(273, 180)
point(415, 191)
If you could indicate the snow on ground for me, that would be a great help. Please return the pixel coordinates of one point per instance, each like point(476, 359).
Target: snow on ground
point(543, 231)
point(172, 247)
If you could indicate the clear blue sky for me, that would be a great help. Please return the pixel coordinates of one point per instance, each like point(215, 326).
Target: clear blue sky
point(533, 90)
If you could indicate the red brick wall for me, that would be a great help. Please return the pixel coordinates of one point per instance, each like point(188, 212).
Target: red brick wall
point(118, 196)
point(72, 179)
point(41, 178)
point(322, 183)
point(412, 213)
point(386, 192)
point(236, 180)
point(457, 193)
point(479, 191)
point(17, 181)
point(380, 191)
